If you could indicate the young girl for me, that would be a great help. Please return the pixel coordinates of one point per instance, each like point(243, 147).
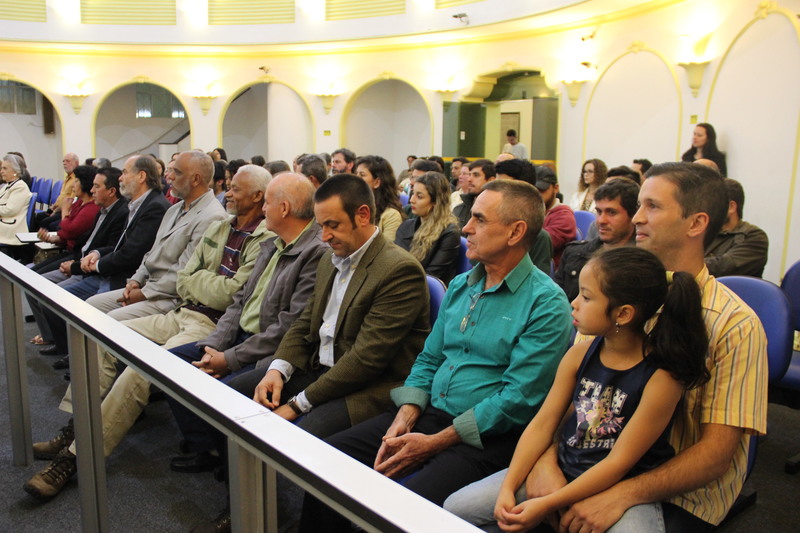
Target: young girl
point(617, 393)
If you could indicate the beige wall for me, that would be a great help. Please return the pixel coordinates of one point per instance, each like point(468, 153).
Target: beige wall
point(636, 103)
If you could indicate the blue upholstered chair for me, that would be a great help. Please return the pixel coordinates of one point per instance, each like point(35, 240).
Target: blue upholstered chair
point(436, 288)
point(32, 208)
point(463, 263)
point(57, 186)
point(772, 308)
point(791, 379)
point(583, 219)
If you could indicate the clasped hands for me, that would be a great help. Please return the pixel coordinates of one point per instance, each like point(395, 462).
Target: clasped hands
point(595, 514)
point(132, 294)
point(213, 363)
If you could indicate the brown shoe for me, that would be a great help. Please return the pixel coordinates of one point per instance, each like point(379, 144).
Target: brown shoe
point(48, 450)
point(49, 482)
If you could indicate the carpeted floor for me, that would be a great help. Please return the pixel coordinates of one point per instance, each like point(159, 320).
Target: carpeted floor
point(146, 496)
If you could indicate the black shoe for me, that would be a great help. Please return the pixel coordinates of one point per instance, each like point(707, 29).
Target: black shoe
point(192, 464)
point(221, 524)
point(67, 377)
point(29, 319)
point(62, 364)
point(53, 350)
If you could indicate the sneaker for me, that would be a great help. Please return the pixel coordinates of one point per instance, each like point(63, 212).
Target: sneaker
point(48, 450)
point(49, 482)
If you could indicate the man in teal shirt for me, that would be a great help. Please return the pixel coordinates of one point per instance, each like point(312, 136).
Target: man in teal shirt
point(484, 371)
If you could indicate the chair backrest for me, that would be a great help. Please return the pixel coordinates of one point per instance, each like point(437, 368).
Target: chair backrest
point(436, 289)
point(56, 191)
point(45, 188)
point(463, 263)
point(583, 219)
point(791, 287)
point(772, 307)
point(32, 208)
point(403, 199)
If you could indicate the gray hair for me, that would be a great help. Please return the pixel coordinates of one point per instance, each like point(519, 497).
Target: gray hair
point(257, 177)
point(17, 164)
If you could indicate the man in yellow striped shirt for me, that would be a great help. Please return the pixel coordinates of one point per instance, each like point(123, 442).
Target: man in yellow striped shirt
point(682, 208)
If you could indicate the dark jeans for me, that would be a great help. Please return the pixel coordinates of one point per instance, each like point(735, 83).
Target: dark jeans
point(435, 480)
point(198, 434)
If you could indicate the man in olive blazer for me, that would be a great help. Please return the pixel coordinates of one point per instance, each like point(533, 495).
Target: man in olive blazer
point(350, 346)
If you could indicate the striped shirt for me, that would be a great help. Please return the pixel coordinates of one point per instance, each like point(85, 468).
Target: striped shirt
point(736, 394)
point(229, 264)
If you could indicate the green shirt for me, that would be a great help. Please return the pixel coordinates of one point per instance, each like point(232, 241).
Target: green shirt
point(493, 353)
point(250, 321)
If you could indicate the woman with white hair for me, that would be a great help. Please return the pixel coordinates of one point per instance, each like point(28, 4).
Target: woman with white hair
point(14, 199)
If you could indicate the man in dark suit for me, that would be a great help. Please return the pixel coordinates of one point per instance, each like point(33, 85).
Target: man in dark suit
point(109, 265)
point(108, 227)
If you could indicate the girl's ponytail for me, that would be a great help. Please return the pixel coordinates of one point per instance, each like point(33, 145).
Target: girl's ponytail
point(678, 342)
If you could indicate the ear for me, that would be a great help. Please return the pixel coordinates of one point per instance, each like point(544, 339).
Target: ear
point(362, 215)
point(518, 231)
point(624, 314)
point(698, 224)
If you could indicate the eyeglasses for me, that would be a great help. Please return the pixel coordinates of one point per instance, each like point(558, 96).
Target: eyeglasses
point(473, 303)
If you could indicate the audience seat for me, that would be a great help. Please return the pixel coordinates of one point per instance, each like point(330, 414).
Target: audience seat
point(32, 208)
point(583, 219)
point(463, 263)
point(403, 199)
point(772, 308)
point(436, 288)
point(791, 379)
point(44, 188)
point(56, 190)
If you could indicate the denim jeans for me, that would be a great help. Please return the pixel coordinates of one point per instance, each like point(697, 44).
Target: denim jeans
point(475, 504)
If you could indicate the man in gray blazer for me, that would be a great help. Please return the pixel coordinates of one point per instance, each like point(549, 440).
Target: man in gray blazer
point(152, 288)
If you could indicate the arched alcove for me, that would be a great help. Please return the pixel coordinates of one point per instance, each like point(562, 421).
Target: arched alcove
point(388, 118)
point(30, 124)
point(141, 117)
point(269, 119)
point(635, 105)
point(762, 67)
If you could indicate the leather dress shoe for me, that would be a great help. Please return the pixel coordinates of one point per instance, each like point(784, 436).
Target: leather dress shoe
point(62, 364)
point(53, 350)
point(192, 464)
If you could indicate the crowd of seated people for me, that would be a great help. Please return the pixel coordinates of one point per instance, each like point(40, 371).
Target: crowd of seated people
point(309, 296)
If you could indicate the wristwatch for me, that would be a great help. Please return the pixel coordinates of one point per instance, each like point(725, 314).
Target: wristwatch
point(292, 403)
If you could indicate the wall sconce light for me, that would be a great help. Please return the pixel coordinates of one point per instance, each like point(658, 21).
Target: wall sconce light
point(694, 75)
point(76, 100)
point(205, 103)
point(573, 90)
point(327, 102)
point(447, 94)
